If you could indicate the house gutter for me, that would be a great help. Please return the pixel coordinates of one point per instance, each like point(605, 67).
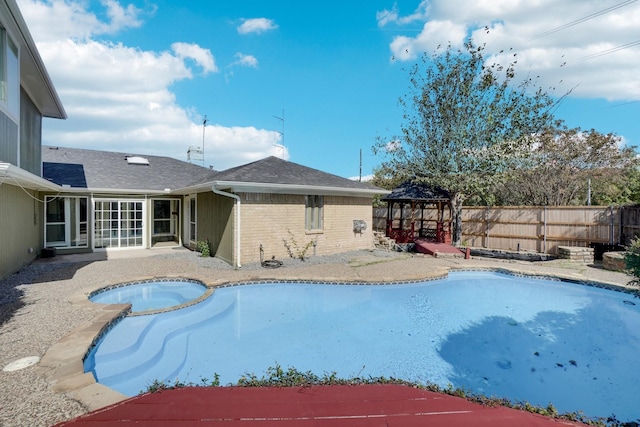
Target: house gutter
point(237, 237)
point(261, 187)
point(25, 179)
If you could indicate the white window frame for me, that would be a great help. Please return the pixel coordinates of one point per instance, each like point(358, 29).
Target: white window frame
point(9, 75)
point(314, 213)
point(115, 224)
point(70, 223)
point(192, 220)
point(173, 220)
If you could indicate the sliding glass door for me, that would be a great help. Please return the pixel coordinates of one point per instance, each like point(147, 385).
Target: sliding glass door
point(119, 224)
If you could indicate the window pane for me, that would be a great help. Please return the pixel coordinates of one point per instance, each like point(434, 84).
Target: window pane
point(55, 210)
point(313, 214)
point(55, 233)
point(162, 209)
point(13, 79)
point(83, 209)
point(192, 219)
point(3, 47)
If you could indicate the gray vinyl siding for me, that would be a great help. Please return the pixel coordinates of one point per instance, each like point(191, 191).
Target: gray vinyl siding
point(215, 222)
point(20, 228)
point(30, 135)
point(8, 140)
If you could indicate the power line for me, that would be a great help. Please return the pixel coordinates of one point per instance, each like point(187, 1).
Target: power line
point(586, 18)
point(607, 51)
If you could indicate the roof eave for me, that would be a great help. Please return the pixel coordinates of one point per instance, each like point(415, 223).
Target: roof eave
point(408, 200)
point(116, 191)
point(13, 175)
point(34, 77)
point(260, 187)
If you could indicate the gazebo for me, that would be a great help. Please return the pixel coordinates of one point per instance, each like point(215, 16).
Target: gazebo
point(418, 196)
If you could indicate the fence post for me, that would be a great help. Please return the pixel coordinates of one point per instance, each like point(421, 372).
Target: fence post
point(544, 231)
point(620, 225)
point(611, 224)
point(486, 241)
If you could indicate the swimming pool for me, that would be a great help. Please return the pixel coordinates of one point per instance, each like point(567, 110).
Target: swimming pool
point(154, 294)
point(526, 339)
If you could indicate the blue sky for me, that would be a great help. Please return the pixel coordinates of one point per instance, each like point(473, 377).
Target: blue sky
point(139, 76)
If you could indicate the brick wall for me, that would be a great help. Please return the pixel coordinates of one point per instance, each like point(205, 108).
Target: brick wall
point(272, 219)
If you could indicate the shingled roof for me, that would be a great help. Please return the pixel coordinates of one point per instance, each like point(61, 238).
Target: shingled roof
point(105, 170)
point(275, 172)
point(411, 191)
point(110, 171)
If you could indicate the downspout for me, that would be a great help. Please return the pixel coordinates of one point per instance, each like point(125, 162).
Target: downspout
point(237, 237)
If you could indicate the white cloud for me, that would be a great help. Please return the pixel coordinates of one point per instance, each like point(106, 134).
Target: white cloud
point(119, 98)
point(122, 17)
point(57, 19)
point(406, 48)
point(245, 60)
point(385, 17)
point(202, 57)
point(545, 34)
point(256, 25)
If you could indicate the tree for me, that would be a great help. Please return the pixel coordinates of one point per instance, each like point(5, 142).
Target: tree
point(571, 167)
point(466, 124)
point(384, 178)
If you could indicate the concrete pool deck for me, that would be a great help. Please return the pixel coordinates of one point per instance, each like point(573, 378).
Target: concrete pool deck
point(58, 315)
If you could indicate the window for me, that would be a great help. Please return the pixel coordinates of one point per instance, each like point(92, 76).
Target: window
point(162, 217)
point(192, 219)
point(314, 212)
point(165, 221)
point(9, 74)
point(66, 222)
point(119, 224)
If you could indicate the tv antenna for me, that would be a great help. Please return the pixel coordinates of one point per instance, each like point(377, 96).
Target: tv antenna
point(197, 153)
point(204, 126)
point(281, 146)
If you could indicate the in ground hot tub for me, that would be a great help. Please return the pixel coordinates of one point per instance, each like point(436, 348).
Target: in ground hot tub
point(151, 295)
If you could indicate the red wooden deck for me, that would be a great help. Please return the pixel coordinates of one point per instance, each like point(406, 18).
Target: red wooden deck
point(330, 406)
point(435, 249)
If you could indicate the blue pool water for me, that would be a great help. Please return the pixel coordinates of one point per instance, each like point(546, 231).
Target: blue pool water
point(525, 339)
point(151, 295)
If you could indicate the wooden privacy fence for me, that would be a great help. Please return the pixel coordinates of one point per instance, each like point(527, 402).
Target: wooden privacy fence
point(536, 229)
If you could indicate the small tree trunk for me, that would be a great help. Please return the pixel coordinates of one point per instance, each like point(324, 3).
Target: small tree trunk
point(456, 212)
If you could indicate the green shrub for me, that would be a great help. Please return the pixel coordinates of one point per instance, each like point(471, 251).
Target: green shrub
point(632, 261)
point(204, 247)
point(295, 250)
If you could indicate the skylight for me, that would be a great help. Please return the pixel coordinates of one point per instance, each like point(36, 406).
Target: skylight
point(137, 160)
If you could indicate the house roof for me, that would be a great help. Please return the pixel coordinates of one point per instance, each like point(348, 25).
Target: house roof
point(275, 175)
point(102, 171)
point(410, 191)
point(34, 77)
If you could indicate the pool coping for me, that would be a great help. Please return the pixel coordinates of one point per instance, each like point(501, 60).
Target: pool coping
point(62, 365)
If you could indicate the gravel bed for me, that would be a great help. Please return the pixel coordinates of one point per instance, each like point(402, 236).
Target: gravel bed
point(218, 264)
point(33, 316)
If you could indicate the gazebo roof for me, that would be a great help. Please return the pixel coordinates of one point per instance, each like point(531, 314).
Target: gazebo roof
point(410, 191)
